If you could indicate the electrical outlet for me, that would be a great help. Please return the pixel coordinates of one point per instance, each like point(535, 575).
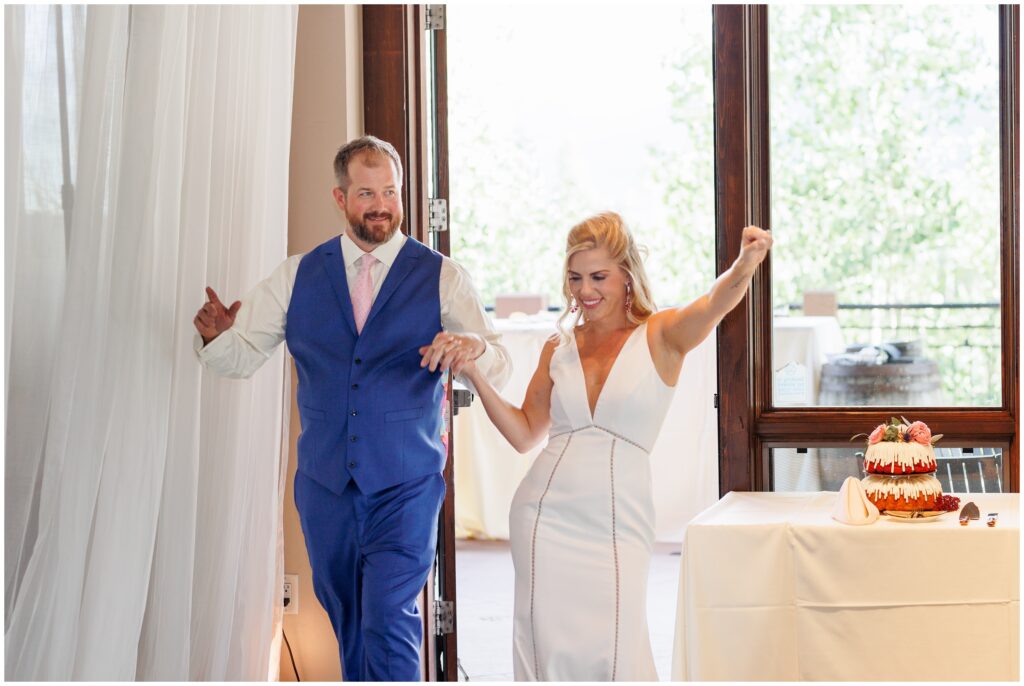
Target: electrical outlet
point(290, 601)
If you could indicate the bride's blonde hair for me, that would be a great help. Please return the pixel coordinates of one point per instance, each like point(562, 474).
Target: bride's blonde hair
point(608, 231)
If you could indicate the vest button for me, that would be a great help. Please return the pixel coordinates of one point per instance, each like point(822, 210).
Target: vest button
point(355, 387)
point(354, 413)
point(351, 465)
point(352, 438)
point(358, 360)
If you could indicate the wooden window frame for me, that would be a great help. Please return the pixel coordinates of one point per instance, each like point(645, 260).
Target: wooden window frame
point(749, 425)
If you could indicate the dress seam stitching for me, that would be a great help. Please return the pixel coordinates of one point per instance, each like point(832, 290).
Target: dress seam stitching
point(600, 428)
point(615, 553)
point(533, 560)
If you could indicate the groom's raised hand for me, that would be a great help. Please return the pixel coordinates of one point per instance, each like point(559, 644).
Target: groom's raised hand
point(213, 318)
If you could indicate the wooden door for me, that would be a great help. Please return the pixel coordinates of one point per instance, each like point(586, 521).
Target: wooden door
point(405, 102)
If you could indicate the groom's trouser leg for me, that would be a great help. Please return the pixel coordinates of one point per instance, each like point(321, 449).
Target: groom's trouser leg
point(399, 532)
point(328, 525)
point(371, 555)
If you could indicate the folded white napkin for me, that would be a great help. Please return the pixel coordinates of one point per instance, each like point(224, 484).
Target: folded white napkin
point(852, 505)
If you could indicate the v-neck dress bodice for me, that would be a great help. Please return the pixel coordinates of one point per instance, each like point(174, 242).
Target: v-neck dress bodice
point(582, 525)
point(632, 402)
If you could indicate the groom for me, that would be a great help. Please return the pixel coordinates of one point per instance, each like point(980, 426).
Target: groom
point(355, 313)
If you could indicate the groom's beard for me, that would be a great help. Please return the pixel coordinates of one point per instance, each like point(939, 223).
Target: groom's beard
point(375, 234)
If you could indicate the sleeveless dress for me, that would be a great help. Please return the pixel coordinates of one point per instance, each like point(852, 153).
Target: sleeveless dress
point(582, 525)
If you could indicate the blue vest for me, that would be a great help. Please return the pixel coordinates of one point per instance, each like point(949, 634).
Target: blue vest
point(369, 412)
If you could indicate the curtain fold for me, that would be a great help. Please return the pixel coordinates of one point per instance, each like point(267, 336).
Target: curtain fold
point(156, 550)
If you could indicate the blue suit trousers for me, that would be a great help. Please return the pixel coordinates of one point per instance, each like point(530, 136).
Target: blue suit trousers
point(370, 556)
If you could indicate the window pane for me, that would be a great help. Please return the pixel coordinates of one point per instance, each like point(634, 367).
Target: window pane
point(560, 112)
point(959, 470)
point(885, 205)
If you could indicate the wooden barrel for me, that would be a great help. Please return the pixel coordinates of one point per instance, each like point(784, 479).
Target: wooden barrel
point(914, 384)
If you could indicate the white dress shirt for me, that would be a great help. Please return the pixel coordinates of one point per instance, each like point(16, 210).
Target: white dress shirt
point(260, 322)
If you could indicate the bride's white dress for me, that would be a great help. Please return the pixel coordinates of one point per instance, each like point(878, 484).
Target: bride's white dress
point(582, 526)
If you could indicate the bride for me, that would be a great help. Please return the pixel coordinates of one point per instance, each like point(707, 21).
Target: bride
point(582, 520)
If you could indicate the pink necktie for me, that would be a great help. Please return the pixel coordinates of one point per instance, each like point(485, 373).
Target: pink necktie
point(362, 294)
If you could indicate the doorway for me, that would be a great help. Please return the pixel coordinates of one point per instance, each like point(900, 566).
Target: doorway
point(553, 114)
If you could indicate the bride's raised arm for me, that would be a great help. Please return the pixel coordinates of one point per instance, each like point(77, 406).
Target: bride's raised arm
point(683, 328)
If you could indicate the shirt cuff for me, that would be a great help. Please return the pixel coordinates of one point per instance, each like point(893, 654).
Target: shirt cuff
point(487, 358)
point(484, 363)
point(210, 350)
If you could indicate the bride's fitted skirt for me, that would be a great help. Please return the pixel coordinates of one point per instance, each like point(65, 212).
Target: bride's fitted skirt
point(582, 529)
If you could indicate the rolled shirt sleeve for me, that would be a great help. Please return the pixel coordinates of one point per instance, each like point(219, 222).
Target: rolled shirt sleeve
point(258, 328)
point(463, 312)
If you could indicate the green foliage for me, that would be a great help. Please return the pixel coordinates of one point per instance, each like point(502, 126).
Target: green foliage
point(884, 168)
point(686, 245)
point(884, 153)
point(507, 226)
point(884, 176)
point(511, 211)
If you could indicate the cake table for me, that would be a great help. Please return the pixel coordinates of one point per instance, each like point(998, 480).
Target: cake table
point(772, 588)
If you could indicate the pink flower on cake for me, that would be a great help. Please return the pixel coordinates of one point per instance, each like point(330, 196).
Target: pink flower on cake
point(920, 433)
point(877, 434)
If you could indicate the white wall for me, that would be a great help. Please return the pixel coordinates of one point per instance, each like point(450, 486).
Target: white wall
point(327, 112)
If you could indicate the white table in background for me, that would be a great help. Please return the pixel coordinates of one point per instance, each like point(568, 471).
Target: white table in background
point(801, 344)
point(806, 341)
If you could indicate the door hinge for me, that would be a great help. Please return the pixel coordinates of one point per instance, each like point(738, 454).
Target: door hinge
point(462, 398)
point(444, 617)
point(437, 218)
point(435, 18)
point(716, 400)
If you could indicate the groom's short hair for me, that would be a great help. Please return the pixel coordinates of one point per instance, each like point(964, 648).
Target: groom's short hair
point(373, 148)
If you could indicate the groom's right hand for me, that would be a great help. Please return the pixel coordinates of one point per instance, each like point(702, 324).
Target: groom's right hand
point(213, 318)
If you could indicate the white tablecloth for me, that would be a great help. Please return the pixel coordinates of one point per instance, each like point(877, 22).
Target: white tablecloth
point(684, 461)
point(771, 588)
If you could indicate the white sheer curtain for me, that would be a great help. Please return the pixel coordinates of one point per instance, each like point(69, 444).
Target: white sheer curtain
point(34, 255)
point(151, 549)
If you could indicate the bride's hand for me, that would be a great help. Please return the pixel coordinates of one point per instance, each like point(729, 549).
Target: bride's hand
point(467, 369)
point(755, 245)
point(452, 351)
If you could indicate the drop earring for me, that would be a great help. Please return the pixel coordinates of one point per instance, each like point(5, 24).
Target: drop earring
point(575, 308)
point(629, 297)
